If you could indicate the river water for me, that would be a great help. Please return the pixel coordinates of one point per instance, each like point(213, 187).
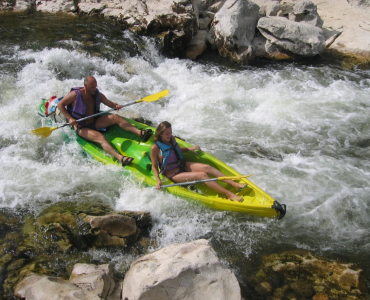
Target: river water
point(303, 130)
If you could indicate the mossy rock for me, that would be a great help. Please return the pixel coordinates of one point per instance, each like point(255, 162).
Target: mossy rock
point(300, 274)
point(58, 238)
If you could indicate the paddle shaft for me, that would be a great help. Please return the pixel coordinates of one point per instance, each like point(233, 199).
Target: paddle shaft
point(101, 113)
point(204, 180)
point(188, 182)
point(46, 131)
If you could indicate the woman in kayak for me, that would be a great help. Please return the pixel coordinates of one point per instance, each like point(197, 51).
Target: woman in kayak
point(167, 155)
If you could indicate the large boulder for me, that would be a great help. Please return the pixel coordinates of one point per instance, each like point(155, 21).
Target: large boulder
point(267, 7)
point(47, 288)
point(306, 11)
point(299, 38)
point(234, 28)
point(93, 280)
point(263, 48)
point(87, 282)
point(180, 271)
point(174, 21)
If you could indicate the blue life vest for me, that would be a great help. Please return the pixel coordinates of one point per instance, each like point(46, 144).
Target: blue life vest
point(78, 111)
point(172, 156)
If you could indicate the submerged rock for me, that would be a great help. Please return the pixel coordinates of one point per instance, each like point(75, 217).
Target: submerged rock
point(112, 230)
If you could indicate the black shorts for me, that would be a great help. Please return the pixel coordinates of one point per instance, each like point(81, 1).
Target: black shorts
point(90, 126)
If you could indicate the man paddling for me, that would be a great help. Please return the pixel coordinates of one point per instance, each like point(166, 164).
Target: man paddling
point(85, 101)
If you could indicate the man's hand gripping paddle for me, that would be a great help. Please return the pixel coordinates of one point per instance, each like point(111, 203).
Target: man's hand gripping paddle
point(46, 131)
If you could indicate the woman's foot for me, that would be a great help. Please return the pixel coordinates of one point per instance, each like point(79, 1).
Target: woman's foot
point(236, 198)
point(241, 187)
point(125, 160)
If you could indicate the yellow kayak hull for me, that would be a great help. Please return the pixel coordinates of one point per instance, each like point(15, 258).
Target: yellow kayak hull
point(256, 201)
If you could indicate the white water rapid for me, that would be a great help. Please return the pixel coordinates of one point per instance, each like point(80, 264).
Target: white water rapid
point(304, 131)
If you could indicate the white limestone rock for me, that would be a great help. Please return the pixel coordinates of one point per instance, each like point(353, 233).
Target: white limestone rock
point(299, 38)
point(180, 271)
point(234, 28)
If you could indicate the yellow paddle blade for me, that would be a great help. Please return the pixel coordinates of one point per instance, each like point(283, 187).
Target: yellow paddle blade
point(234, 177)
point(154, 97)
point(44, 131)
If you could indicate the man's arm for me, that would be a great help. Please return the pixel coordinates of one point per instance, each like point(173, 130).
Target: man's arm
point(70, 98)
point(109, 103)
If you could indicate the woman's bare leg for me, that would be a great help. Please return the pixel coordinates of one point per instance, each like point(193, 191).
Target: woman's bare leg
point(200, 167)
point(192, 176)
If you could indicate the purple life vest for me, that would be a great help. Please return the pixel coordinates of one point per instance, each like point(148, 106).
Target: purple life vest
point(78, 111)
point(172, 156)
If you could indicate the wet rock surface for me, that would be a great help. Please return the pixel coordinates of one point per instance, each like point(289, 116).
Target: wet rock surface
point(240, 30)
point(51, 256)
point(299, 274)
point(51, 243)
point(180, 271)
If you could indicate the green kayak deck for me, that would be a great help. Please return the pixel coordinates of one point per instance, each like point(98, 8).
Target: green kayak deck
point(256, 201)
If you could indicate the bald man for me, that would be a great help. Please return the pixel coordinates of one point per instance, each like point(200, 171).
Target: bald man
point(85, 101)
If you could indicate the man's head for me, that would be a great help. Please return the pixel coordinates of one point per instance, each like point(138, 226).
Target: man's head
point(90, 85)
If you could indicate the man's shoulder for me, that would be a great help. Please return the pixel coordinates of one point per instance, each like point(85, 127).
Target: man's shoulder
point(77, 88)
point(71, 96)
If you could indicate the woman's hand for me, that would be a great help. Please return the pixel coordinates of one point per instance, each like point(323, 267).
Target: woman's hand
point(154, 154)
point(192, 149)
point(118, 107)
point(158, 185)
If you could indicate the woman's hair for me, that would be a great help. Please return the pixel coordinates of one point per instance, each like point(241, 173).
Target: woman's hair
point(160, 129)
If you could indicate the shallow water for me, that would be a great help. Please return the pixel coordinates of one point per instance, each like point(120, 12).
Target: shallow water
point(304, 130)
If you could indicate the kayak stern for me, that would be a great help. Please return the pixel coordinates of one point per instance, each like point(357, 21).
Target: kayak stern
point(280, 209)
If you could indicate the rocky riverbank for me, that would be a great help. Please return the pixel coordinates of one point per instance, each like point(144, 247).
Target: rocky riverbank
point(242, 31)
point(56, 247)
point(51, 258)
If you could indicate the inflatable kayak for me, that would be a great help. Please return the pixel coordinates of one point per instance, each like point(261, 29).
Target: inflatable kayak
point(256, 201)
